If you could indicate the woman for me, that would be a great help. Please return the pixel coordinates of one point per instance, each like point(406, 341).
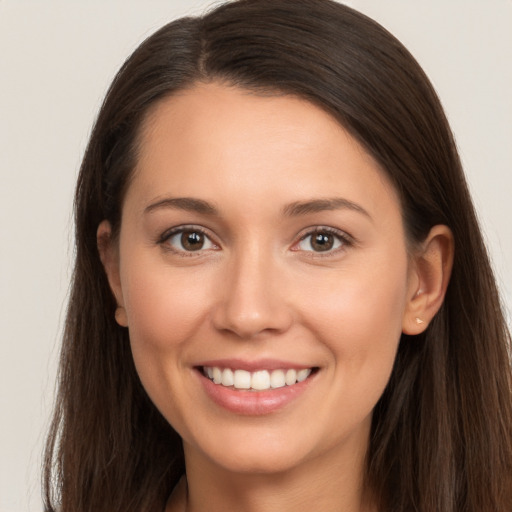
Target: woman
point(281, 295)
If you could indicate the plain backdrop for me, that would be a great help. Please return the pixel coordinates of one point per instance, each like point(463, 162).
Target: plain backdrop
point(57, 59)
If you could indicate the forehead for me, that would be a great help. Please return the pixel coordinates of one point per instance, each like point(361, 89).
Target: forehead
point(215, 140)
point(238, 113)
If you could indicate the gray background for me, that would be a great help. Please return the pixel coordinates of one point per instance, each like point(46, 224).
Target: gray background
point(56, 60)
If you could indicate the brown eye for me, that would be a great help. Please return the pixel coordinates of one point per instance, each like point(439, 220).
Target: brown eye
point(192, 240)
point(322, 241)
point(188, 240)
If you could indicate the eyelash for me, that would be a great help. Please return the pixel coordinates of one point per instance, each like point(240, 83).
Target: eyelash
point(343, 238)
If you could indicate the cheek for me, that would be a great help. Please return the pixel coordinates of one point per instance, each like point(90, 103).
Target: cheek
point(359, 320)
point(360, 300)
point(164, 308)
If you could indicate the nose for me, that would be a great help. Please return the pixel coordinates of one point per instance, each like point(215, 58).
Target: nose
point(253, 297)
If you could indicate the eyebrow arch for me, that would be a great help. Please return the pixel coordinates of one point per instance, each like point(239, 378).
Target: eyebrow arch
point(188, 204)
point(320, 205)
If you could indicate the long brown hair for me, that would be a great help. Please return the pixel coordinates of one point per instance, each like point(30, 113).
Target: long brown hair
point(442, 432)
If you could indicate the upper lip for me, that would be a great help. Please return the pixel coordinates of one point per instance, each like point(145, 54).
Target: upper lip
point(254, 365)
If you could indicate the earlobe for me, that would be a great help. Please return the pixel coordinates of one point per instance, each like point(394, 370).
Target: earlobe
point(120, 316)
point(432, 268)
point(109, 257)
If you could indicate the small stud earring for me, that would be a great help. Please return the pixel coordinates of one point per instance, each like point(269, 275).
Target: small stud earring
point(419, 321)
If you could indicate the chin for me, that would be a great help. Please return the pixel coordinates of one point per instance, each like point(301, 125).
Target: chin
point(262, 463)
point(252, 454)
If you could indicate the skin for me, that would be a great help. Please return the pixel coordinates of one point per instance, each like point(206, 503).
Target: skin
point(259, 289)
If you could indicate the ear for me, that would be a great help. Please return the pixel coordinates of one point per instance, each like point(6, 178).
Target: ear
point(431, 267)
point(109, 255)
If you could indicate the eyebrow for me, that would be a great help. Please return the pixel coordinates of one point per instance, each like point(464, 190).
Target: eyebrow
point(319, 205)
point(294, 209)
point(188, 204)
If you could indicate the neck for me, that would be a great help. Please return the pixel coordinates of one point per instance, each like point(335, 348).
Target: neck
point(329, 483)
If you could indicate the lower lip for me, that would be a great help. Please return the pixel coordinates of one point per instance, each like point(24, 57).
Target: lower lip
point(253, 403)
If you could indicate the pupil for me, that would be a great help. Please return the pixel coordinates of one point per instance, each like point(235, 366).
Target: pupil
point(322, 242)
point(192, 240)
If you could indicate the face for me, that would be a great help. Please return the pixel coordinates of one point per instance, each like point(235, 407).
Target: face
point(264, 276)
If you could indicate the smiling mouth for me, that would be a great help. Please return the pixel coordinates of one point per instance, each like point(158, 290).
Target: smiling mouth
point(260, 380)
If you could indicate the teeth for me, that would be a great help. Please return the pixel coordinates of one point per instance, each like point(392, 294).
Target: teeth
point(227, 377)
point(277, 379)
point(217, 375)
point(258, 381)
point(242, 379)
point(303, 375)
point(290, 377)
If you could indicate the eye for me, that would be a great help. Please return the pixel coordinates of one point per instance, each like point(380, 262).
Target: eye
point(187, 240)
point(322, 240)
